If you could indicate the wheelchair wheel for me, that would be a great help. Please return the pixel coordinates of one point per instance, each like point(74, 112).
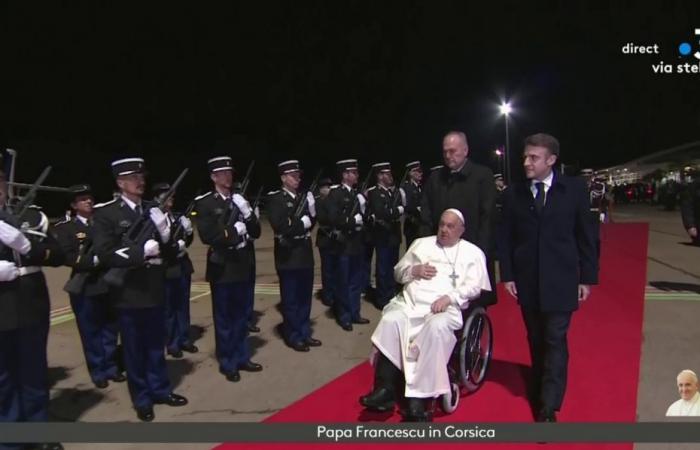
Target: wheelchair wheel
point(476, 347)
point(449, 402)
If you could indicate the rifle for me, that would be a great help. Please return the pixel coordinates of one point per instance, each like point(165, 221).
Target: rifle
point(178, 228)
point(18, 210)
point(76, 284)
point(115, 275)
point(246, 179)
point(301, 201)
point(337, 234)
point(394, 202)
point(258, 197)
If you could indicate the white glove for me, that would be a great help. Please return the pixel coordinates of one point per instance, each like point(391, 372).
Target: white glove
point(181, 246)
point(257, 212)
point(243, 205)
point(161, 223)
point(95, 260)
point(363, 202)
point(358, 219)
point(311, 201)
point(151, 248)
point(8, 271)
point(306, 221)
point(186, 224)
point(400, 209)
point(240, 227)
point(14, 238)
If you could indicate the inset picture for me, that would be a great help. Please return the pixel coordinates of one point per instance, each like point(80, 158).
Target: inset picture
point(688, 404)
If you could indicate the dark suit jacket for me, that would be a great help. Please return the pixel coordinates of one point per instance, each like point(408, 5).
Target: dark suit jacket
point(549, 254)
point(471, 191)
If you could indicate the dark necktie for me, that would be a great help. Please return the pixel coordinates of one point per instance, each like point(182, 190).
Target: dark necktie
point(539, 198)
point(138, 210)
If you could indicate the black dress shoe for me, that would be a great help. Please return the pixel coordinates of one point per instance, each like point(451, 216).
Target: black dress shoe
point(190, 348)
point(101, 384)
point(345, 326)
point(172, 400)
point(380, 400)
point(253, 329)
point(250, 366)
point(234, 376)
point(175, 354)
point(361, 321)
point(145, 414)
point(299, 347)
point(416, 411)
point(311, 342)
point(546, 415)
point(119, 378)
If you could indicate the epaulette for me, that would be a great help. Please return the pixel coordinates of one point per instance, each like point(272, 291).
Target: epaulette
point(100, 205)
point(199, 197)
point(37, 207)
point(274, 192)
point(62, 222)
point(335, 186)
point(372, 188)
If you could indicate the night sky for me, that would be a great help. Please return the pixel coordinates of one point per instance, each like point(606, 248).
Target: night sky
point(321, 81)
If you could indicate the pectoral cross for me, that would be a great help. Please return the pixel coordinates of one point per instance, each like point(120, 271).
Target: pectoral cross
point(454, 277)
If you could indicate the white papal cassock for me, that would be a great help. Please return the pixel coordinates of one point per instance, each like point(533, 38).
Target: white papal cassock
point(413, 338)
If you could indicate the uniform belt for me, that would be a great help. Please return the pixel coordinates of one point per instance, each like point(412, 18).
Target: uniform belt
point(301, 236)
point(154, 262)
point(28, 270)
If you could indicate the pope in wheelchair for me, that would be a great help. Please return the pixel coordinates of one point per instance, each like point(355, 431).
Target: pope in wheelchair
point(415, 337)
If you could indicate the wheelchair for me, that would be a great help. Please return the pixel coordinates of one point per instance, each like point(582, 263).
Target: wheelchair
point(470, 358)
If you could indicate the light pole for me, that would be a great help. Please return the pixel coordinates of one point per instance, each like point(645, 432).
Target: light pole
point(506, 109)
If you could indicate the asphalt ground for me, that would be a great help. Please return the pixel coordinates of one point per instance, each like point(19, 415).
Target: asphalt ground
point(671, 334)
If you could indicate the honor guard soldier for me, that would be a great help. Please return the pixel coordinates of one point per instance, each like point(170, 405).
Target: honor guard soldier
point(596, 195)
point(24, 312)
point(385, 211)
point(346, 209)
point(131, 239)
point(94, 314)
point(227, 224)
point(292, 214)
point(324, 243)
point(178, 279)
point(412, 191)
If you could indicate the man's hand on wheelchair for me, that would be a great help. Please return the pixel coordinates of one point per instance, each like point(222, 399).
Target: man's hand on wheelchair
point(511, 289)
point(423, 271)
point(441, 304)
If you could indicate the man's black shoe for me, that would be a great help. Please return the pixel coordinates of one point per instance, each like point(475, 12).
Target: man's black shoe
point(380, 400)
point(172, 400)
point(190, 348)
point(345, 326)
point(311, 342)
point(253, 328)
point(546, 415)
point(299, 347)
point(101, 384)
point(175, 354)
point(416, 411)
point(145, 414)
point(119, 378)
point(250, 366)
point(234, 376)
point(361, 321)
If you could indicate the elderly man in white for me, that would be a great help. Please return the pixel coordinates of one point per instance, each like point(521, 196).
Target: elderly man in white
point(689, 403)
point(416, 334)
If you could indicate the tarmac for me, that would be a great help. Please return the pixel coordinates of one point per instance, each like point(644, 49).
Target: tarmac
point(670, 339)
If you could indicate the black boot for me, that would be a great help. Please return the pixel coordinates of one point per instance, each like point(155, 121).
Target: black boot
point(416, 410)
point(383, 397)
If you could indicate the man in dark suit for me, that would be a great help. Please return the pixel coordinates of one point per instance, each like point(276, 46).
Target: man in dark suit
point(548, 262)
point(469, 188)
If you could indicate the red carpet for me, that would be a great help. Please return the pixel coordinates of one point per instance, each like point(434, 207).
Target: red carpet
point(604, 342)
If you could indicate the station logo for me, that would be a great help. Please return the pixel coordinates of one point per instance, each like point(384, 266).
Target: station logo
point(687, 55)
